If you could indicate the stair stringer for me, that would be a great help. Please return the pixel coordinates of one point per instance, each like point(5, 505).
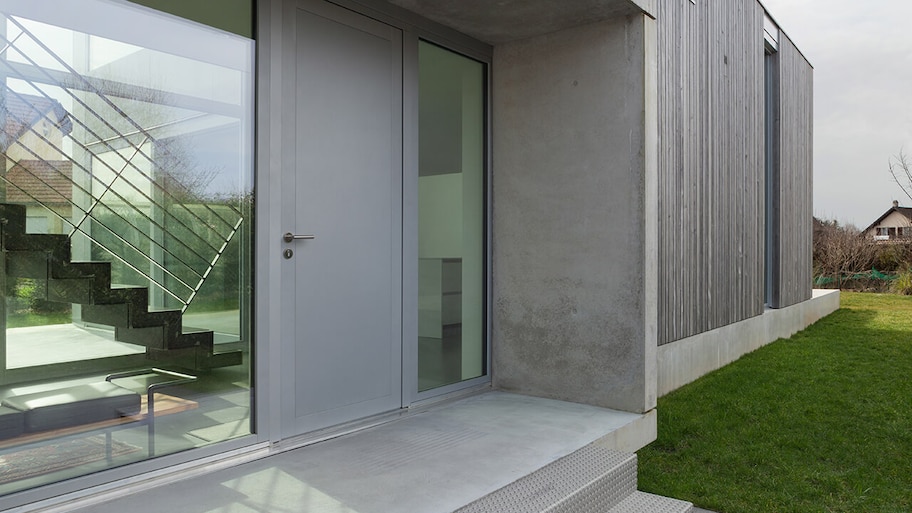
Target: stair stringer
point(47, 257)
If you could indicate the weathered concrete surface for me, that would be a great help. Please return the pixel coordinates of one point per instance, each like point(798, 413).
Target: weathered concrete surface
point(685, 360)
point(633, 436)
point(432, 461)
point(574, 305)
point(501, 21)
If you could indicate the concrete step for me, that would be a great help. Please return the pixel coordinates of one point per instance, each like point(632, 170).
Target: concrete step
point(642, 502)
point(592, 479)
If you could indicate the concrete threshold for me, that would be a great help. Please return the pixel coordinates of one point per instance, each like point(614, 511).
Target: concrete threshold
point(434, 461)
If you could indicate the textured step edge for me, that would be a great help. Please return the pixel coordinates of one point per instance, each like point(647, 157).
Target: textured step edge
point(642, 502)
point(79, 291)
point(196, 358)
point(152, 337)
point(116, 315)
point(605, 492)
point(592, 479)
point(27, 264)
point(12, 218)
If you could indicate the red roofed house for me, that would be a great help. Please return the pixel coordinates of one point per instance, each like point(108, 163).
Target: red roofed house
point(894, 224)
point(37, 173)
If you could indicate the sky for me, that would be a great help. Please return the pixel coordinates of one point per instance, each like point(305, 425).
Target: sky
point(861, 51)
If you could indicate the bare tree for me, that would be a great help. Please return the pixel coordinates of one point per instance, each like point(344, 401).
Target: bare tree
point(901, 168)
point(840, 252)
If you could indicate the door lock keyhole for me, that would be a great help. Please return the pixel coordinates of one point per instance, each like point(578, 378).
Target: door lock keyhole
point(288, 253)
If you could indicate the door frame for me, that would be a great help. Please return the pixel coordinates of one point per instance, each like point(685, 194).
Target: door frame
point(274, 296)
point(378, 383)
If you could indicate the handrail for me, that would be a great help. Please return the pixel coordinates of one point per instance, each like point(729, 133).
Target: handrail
point(192, 261)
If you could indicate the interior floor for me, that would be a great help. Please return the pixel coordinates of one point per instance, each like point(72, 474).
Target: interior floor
point(440, 359)
point(221, 411)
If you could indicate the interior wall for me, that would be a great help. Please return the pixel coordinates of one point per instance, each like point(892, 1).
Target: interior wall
point(573, 251)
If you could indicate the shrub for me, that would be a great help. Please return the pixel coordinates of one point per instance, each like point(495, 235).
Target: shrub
point(31, 294)
point(902, 284)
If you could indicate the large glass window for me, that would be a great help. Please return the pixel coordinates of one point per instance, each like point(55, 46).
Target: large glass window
point(451, 221)
point(125, 201)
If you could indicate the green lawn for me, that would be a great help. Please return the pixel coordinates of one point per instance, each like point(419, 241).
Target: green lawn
point(821, 422)
point(21, 320)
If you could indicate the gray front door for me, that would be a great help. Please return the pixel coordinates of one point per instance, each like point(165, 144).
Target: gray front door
point(345, 356)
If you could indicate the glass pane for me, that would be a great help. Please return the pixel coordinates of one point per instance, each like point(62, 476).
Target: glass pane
point(451, 207)
point(231, 15)
point(126, 199)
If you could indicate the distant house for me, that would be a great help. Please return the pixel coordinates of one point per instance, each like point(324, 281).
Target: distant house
point(894, 224)
point(36, 172)
point(584, 204)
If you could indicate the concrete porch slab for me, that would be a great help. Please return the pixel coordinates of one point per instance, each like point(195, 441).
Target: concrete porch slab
point(433, 461)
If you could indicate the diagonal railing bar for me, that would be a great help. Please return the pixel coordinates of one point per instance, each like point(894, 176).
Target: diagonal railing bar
point(86, 191)
point(111, 148)
point(132, 91)
point(97, 199)
point(171, 215)
point(91, 88)
point(119, 196)
point(159, 266)
point(113, 254)
point(151, 128)
point(11, 44)
point(97, 221)
point(215, 260)
point(109, 251)
point(136, 188)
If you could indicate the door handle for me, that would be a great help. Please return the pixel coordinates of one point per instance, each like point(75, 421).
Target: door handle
point(289, 237)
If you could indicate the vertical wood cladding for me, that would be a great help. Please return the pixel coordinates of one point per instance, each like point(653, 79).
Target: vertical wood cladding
point(712, 209)
point(793, 182)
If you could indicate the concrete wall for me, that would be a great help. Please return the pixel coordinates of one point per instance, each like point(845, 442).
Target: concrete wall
point(574, 185)
point(687, 359)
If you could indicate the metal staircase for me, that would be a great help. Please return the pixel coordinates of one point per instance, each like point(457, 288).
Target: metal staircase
point(47, 258)
point(111, 165)
point(130, 191)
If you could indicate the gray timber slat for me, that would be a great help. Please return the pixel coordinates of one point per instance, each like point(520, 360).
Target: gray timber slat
point(793, 222)
point(711, 165)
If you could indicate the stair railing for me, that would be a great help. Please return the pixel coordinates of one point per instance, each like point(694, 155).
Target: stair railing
point(73, 85)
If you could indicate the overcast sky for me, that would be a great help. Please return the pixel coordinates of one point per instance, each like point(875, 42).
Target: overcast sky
point(861, 51)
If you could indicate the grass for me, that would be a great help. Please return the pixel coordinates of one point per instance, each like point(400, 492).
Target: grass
point(21, 320)
point(820, 422)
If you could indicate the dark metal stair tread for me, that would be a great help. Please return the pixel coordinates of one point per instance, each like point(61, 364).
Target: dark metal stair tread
point(123, 306)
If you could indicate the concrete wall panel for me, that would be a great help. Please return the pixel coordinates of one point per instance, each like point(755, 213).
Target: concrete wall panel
point(688, 359)
point(511, 20)
point(570, 313)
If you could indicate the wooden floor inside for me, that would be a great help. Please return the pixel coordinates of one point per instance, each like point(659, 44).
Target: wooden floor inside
point(164, 405)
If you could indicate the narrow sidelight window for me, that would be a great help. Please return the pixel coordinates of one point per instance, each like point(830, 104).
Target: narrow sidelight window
point(451, 220)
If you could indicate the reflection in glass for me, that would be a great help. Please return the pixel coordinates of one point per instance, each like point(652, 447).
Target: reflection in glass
point(451, 342)
point(125, 197)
